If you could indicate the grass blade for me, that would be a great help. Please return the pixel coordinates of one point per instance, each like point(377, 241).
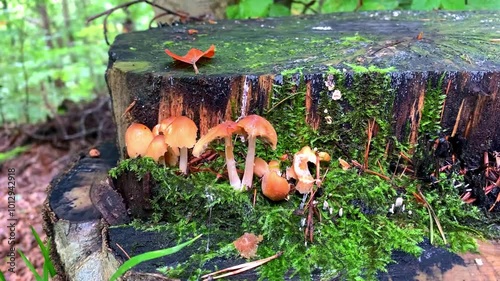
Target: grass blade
point(30, 266)
point(431, 226)
point(45, 252)
point(149, 256)
point(433, 215)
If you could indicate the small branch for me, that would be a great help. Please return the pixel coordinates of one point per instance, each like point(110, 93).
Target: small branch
point(108, 12)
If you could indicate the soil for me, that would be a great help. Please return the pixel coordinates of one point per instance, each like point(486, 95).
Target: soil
point(51, 148)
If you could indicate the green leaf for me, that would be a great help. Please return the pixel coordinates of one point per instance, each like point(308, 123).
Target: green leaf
point(453, 4)
point(339, 6)
point(2, 277)
point(232, 11)
point(425, 5)
point(278, 10)
point(30, 266)
point(370, 5)
point(483, 4)
point(45, 252)
point(149, 256)
point(254, 8)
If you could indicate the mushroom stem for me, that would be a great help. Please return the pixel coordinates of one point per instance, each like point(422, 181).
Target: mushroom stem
point(183, 160)
point(246, 182)
point(232, 173)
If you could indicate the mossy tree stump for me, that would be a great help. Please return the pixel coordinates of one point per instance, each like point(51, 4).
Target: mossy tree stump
point(390, 66)
point(457, 52)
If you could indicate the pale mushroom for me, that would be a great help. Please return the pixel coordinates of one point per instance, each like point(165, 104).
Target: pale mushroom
point(305, 180)
point(224, 130)
point(255, 126)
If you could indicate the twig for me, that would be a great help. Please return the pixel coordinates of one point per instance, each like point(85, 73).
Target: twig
point(233, 270)
point(120, 247)
point(371, 126)
point(281, 101)
point(444, 103)
point(128, 4)
point(371, 172)
point(457, 120)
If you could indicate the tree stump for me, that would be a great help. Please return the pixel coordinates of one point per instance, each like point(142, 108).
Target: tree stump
point(456, 52)
point(453, 54)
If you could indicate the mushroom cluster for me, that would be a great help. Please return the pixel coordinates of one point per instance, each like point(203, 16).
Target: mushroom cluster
point(251, 127)
point(167, 143)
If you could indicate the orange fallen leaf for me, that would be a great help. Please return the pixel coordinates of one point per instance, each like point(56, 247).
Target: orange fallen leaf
point(193, 56)
point(420, 36)
point(194, 31)
point(247, 244)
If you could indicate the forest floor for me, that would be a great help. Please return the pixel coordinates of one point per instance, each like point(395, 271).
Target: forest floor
point(50, 148)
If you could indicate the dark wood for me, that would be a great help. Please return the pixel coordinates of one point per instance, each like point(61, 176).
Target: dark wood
point(460, 47)
point(76, 230)
point(108, 202)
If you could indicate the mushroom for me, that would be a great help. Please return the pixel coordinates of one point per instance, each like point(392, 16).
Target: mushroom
point(156, 129)
point(260, 167)
point(274, 186)
point(300, 170)
point(157, 148)
point(301, 173)
point(255, 126)
point(137, 139)
point(223, 130)
point(180, 132)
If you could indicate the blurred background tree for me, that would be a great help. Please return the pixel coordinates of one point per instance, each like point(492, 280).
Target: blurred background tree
point(49, 54)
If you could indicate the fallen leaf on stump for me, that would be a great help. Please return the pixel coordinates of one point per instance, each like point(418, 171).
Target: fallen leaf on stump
point(247, 244)
point(193, 56)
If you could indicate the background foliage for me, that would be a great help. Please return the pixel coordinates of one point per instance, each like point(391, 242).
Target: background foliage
point(49, 54)
point(264, 8)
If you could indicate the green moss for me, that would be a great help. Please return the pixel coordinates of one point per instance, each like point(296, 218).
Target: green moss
point(372, 68)
point(356, 244)
point(127, 66)
point(349, 40)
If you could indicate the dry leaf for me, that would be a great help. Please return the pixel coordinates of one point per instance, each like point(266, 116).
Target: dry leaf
point(193, 56)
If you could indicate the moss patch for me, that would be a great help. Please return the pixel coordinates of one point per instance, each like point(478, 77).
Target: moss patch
point(127, 66)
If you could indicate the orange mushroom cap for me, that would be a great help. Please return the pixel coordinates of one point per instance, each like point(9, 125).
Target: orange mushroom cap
point(224, 129)
point(260, 167)
point(275, 187)
point(181, 132)
point(157, 148)
point(156, 130)
point(137, 139)
point(257, 126)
